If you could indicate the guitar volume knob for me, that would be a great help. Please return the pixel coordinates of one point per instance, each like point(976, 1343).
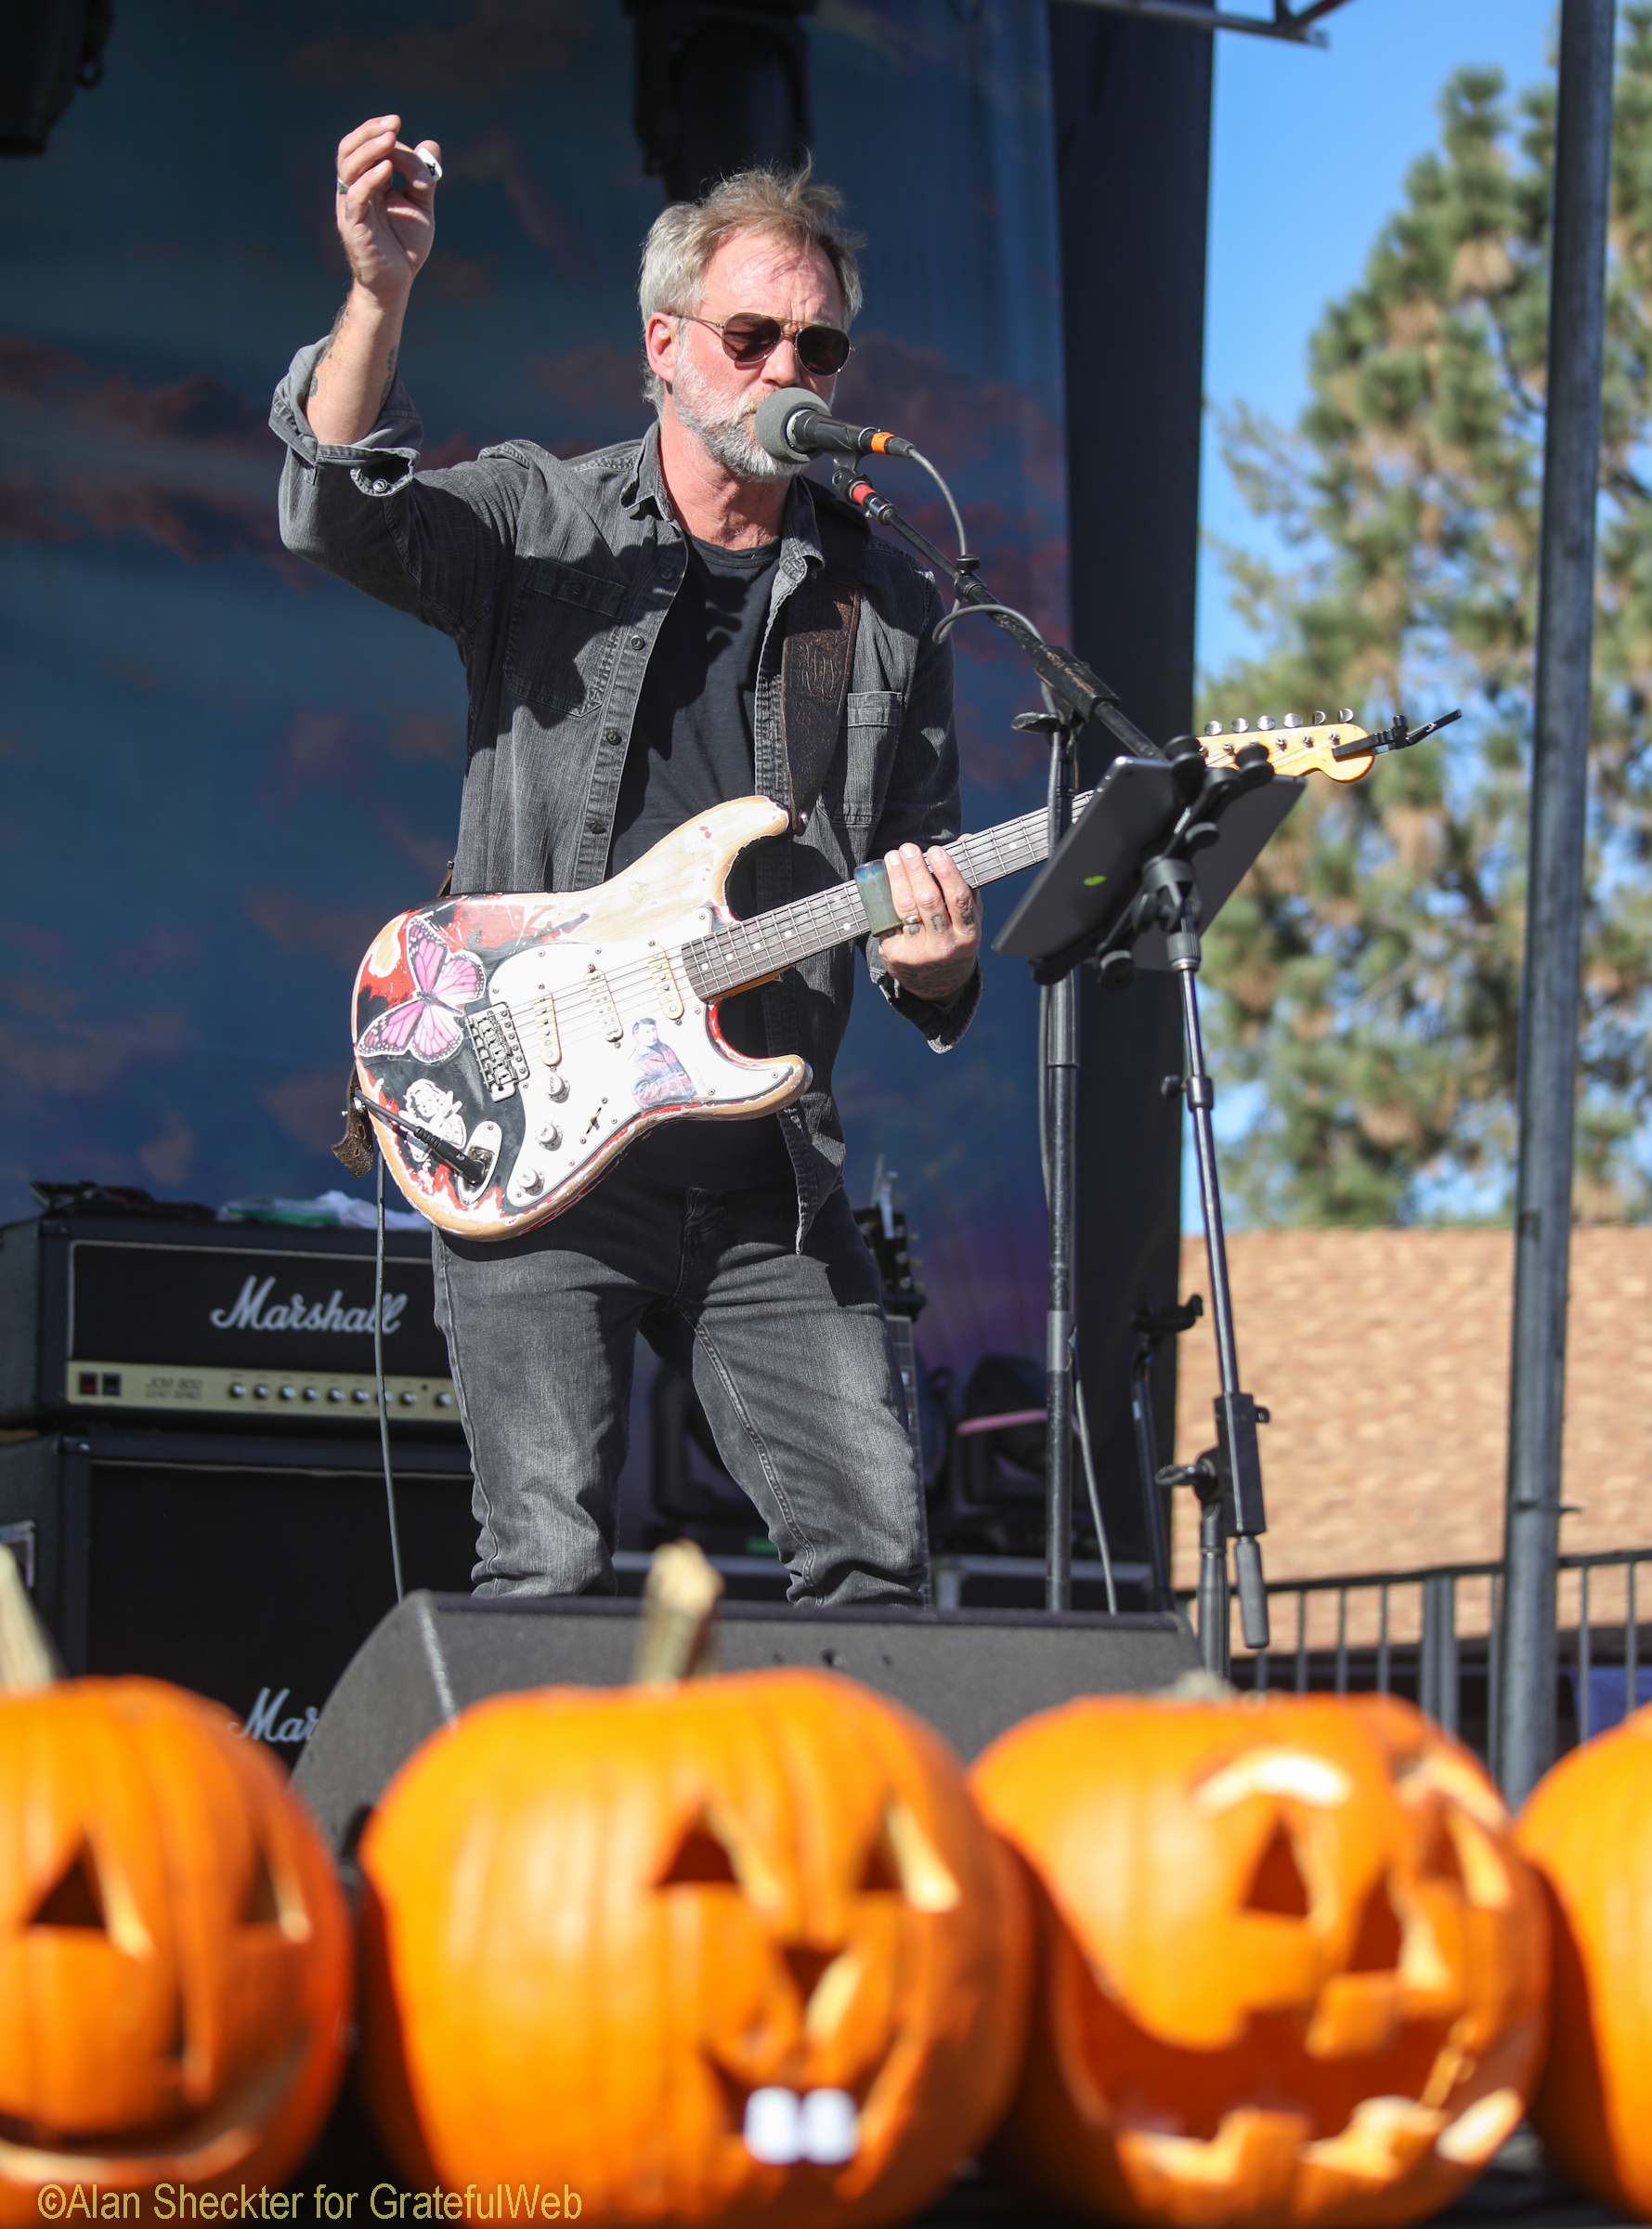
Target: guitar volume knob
point(556, 1087)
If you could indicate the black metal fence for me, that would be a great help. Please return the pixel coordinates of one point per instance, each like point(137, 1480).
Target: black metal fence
point(1432, 1635)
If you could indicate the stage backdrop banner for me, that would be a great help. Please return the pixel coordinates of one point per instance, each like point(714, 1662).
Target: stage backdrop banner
point(223, 772)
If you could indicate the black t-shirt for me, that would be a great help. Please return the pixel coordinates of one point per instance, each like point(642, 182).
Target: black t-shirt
point(691, 748)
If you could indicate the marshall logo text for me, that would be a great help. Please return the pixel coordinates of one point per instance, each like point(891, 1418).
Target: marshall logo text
point(251, 1311)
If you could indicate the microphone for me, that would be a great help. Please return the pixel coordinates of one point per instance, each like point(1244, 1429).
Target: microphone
point(794, 427)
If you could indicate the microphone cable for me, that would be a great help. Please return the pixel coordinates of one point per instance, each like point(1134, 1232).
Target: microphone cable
point(379, 1382)
point(957, 517)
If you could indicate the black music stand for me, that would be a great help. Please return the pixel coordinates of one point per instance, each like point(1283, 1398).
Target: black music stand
point(1159, 849)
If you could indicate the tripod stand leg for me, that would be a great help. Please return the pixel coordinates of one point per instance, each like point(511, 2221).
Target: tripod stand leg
point(1062, 1054)
point(1237, 1415)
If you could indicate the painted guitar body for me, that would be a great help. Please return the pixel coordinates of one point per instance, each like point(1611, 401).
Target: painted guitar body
point(547, 1033)
point(538, 1036)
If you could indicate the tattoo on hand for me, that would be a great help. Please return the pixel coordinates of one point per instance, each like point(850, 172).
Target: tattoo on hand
point(936, 979)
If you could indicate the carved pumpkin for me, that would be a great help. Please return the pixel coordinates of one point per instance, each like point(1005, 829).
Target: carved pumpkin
point(739, 1950)
point(174, 1949)
point(1587, 1829)
point(1290, 1967)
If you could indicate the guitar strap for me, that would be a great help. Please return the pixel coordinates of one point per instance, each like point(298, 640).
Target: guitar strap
point(821, 622)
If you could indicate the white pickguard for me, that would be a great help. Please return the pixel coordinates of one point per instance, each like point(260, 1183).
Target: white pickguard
point(624, 1062)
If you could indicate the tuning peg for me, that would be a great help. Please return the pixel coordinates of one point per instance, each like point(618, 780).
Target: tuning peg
point(1242, 727)
point(1213, 727)
point(1265, 723)
point(1292, 721)
point(1320, 719)
point(1347, 714)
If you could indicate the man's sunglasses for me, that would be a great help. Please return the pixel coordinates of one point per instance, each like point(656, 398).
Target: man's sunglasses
point(748, 340)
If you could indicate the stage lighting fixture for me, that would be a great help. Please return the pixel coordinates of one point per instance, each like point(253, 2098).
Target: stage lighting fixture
point(720, 89)
point(46, 48)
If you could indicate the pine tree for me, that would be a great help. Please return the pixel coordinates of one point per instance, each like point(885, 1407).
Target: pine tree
point(1370, 968)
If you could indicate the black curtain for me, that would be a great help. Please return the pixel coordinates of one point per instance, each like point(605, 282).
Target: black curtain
point(1132, 121)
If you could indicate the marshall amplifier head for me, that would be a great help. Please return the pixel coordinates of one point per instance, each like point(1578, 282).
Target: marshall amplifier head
point(133, 1316)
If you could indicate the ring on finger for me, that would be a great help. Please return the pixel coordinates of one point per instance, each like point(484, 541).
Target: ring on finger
point(913, 923)
point(339, 186)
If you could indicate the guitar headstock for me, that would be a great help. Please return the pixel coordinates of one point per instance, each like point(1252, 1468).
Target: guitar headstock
point(1295, 746)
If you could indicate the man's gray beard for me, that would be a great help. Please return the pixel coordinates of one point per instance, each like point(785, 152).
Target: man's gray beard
point(725, 430)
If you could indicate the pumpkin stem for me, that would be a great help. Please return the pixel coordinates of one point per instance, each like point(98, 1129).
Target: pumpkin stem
point(28, 1660)
point(675, 1640)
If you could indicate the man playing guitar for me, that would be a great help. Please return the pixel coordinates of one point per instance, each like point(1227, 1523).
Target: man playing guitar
point(624, 620)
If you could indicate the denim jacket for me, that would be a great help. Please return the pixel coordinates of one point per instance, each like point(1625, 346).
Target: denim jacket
point(553, 579)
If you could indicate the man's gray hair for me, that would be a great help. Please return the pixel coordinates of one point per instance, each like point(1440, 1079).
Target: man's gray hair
point(776, 204)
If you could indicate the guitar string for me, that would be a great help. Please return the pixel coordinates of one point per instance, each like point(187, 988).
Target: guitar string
point(830, 914)
point(719, 944)
point(733, 955)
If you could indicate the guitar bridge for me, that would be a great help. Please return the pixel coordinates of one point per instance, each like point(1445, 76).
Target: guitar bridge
point(494, 1052)
point(507, 1023)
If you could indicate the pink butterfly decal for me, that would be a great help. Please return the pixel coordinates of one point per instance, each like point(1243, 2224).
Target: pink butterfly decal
point(427, 1026)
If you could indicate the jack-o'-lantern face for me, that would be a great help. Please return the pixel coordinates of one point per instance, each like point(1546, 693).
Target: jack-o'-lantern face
point(735, 1950)
point(1291, 1964)
point(173, 1948)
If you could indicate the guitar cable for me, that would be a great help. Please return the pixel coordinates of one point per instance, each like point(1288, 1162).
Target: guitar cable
point(379, 1381)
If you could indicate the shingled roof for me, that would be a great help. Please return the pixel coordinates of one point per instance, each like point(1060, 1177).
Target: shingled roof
point(1383, 1359)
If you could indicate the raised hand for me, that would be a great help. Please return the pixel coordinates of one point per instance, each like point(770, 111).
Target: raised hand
point(386, 234)
point(936, 949)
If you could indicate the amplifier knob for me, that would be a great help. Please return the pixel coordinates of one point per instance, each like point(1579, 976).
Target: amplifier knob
point(336, 1393)
point(312, 1392)
point(237, 1392)
point(410, 1401)
point(261, 1392)
point(362, 1395)
point(288, 1392)
point(444, 1401)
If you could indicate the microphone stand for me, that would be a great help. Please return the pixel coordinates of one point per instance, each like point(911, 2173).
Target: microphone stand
point(1061, 1064)
point(1077, 695)
point(1082, 694)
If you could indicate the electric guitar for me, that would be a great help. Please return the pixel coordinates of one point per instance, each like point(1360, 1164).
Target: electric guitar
point(509, 1049)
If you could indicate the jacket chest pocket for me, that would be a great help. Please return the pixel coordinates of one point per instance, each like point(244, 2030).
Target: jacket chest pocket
point(564, 638)
point(872, 730)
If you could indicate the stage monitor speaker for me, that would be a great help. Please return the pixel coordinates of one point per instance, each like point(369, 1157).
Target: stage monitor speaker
point(971, 1673)
point(249, 1567)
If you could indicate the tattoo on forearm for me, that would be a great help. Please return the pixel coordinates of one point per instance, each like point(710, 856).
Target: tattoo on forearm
point(389, 379)
point(315, 385)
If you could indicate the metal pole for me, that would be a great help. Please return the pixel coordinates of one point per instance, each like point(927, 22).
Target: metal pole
point(1549, 993)
point(1061, 1053)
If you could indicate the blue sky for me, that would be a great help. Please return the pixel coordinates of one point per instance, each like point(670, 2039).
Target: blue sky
point(1309, 155)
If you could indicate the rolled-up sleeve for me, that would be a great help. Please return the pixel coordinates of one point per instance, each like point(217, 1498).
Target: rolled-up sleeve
point(435, 544)
point(922, 806)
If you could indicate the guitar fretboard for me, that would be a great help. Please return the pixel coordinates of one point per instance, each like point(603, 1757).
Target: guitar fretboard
point(738, 952)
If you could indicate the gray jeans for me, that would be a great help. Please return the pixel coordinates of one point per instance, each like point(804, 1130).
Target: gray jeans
point(787, 1350)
